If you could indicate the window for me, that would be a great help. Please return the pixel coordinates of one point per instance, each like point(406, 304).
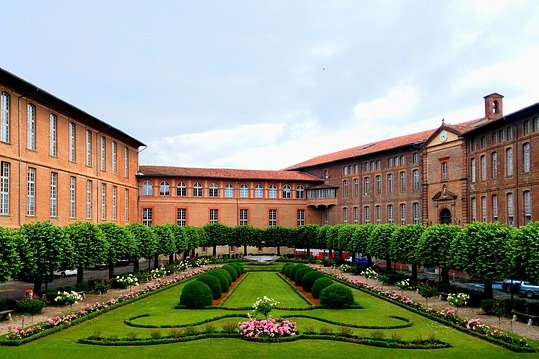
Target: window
point(31, 192)
point(403, 213)
point(356, 168)
point(345, 170)
point(273, 191)
point(494, 165)
point(126, 162)
point(114, 202)
point(53, 136)
point(164, 188)
point(103, 153)
point(415, 158)
point(415, 177)
point(244, 217)
point(31, 129)
point(88, 148)
point(378, 184)
point(356, 215)
point(402, 160)
point(53, 203)
point(396, 161)
point(366, 185)
point(89, 208)
point(509, 133)
point(345, 189)
point(509, 161)
point(366, 214)
point(103, 201)
point(229, 190)
point(4, 188)
point(72, 142)
point(181, 189)
point(536, 124)
point(114, 157)
point(366, 167)
point(287, 191)
point(474, 209)
point(326, 174)
point(403, 181)
point(493, 138)
point(126, 205)
point(415, 212)
point(345, 215)
point(484, 209)
point(443, 170)
point(259, 191)
point(147, 188)
point(390, 162)
point(527, 207)
point(472, 145)
point(4, 113)
point(526, 127)
point(300, 192)
point(272, 217)
point(501, 136)
point(495, 208)
point(349, 169)
point(526, 157)
point(214, 216)
point(181, 217)
point(356, 187)
point(377, 164)
point(72, 196)
point(390, 183)
point(510, 209)
point(390, 213)
point(472, 170)
point(483, 162)
point(197, 190)
point(214, 190)
point(147, 216)
point(483, 142)
point(244, 191)
point(378, 210)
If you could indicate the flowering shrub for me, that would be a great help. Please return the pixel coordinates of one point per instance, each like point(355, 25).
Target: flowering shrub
point(404, 284)
point(159, 273)
point(264, 305)
point(458, 300)
point(125, 281)
point(201, 262)
point(369, 273)
point(270, 328)
point(30, 306)
point(345, 268)
point(184, 265)
point(67, 298)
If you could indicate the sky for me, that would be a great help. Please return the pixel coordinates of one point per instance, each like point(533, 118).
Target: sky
point(268, 84)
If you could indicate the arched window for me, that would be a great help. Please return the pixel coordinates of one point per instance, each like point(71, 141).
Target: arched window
point(181, 189)
point(415, 178)
point(526, 157)
point(229, 190)
point(164, 189)
point(147, 188)
point(259, 191)
point(300, 192)
point(214, 190)
point(273, 191)
point(197, 190)
point(244, 191)
point(287, 192)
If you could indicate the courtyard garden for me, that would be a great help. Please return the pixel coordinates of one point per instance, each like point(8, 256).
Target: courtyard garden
point(278, 310)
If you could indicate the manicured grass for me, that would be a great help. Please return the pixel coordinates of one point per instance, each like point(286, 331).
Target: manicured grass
point(160, 309)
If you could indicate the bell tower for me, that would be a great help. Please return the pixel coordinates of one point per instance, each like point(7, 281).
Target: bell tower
point(493, 106)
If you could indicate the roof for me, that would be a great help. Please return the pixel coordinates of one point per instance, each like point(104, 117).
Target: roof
point(225, 173)
point(29, 90)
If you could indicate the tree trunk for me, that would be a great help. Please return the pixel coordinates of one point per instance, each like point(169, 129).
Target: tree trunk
point(185, 254)
point(136, 265)
point(369, 261)
point(388, 264)
point(156, 261)
point(278, 250)
point(214, 251)
point(80, 275)
point(414, 275)
point(171, 258)
point(245, 249)
point(111, 270)
point(37, 284)
point(354, 258)
point(445, 279)
point(308, 252)
point(488, 289)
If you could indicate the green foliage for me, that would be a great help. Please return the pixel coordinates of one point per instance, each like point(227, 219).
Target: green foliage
point(319, 285)
point(306, 236)
point(196, 295)
point(213, 283)
point(232, 271)
point(433, 246)
point(345, 233)
point(286, 269)
point(238, 266)
point(121, 243)
point(426, 291)
point(30, 306)
point(525, 252)
point(145, 239)
point(300, 273)
point(166, 239)
point(180, 238)
point(218, 234)
point(360, 239)
point(379, 241)
point(275, 236)
point(243, 235)
point(294, 269)
point(223, 276)
point(89, 244)
point(10, 262)
point(309, 279)
point(336, 296)
point(404, 243)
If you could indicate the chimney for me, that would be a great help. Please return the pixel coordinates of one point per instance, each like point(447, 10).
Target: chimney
point(493, 106)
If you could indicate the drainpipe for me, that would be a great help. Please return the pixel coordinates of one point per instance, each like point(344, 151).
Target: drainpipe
point(19, 158)
point(138, 187)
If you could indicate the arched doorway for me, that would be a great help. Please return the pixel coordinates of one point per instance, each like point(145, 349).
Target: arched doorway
point(445, 216)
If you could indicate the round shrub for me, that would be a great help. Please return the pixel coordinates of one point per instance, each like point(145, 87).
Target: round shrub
point(336, 296)
point(286, 269)
point(196, 295)
point(298, 278)
point(310, 278)
point(294, 269)
point(239, 268)
point(221, 274)
point(213, 283)
point(319, 285)
point(30, 306)
point(230, 269)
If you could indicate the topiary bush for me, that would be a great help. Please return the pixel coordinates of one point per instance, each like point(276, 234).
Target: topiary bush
point(233, 272)
point(310, 278)
point(239, 267)
point(336, 296)
point(286, 269)
point(196, 295)
point(213, 283)
point(221, 274)
point(298, 278)
point(30, 306)
point(294, 269)
point(319, 285)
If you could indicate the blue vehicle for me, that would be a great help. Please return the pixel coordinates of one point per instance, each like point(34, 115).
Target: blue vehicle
point(529, 290)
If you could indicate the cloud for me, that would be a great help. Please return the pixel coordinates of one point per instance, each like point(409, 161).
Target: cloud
point(399, 101)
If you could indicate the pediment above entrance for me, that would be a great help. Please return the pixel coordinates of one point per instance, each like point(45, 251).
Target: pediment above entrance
point(444, 195)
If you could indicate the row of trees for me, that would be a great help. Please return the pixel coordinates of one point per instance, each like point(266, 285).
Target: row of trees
point(489, 251)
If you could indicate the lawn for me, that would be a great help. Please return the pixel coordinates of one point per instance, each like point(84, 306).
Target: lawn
point(375, 313)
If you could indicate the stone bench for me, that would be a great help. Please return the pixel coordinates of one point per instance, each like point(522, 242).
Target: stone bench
point(82, 294)
point(442, 296)
point(5, 315)
point(530, 318)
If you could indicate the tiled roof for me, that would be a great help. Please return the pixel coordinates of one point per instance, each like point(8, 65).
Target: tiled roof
point(225, 173)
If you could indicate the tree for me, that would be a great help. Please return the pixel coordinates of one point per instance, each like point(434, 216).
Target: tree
point(89, 246)
point(166, 242)
point(306, 237)
point(180, 238)
point(379, 242)
point(360, 240)
point(121, 244)
point(146, 243)
point(10, 262)
point(403, 246)
point(218, 235)
point(525, 252)
point(433, 248)
point(49, 248)
point(276, 236)
point(194, 239)
point(345, 234)
point(483, 250)
point(243, 236)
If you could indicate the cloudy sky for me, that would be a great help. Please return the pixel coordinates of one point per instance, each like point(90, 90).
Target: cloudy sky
point(267, 84)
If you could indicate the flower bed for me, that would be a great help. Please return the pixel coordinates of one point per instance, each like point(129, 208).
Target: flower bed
point(271, 328)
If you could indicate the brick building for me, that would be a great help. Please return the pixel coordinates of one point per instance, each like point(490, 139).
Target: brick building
point(60, 164)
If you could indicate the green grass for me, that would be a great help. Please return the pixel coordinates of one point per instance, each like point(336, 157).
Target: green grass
point(161, 312)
